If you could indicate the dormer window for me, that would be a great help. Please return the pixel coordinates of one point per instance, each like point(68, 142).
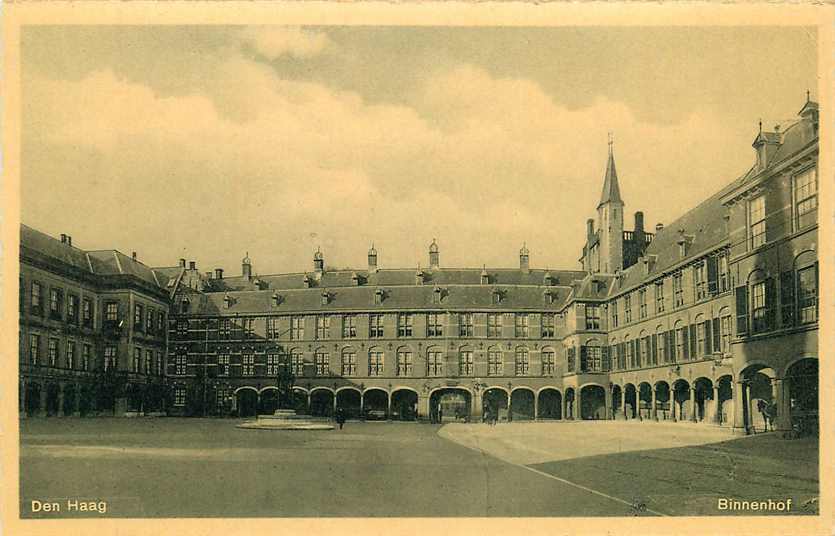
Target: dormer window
point(325, 298)
point(378, 296)
point(437, 294)
point(306, 281)
point(355, 279)
point(184, 305)
point(276, 299)
point(497, 296)
point(550, 296)
point(485, 277)
point(227, 301)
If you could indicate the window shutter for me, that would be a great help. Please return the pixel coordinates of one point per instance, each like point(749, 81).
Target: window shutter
point(606, 359)
point(712, 275)
point(694, 350)
point(685, 346)
point(741, 293)
point(622, 355)
point(708, 339)
point(635, 348)
point(654, 349)
point(583, 359)
point(671, 345)
point(717, 334)
point(770, 303)
point(787, 299)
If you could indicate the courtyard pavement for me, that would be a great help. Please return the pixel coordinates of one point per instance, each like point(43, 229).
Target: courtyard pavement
point(171, 467)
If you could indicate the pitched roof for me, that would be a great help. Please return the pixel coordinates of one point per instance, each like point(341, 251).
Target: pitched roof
point(53, 248)
point(611, 190)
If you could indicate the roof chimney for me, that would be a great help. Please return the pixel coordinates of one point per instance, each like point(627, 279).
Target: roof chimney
point(659, 227)
point(318, 262)
point(182, 263)
point(639, 222)
point(218, 273)
point(69, 240)
point(192, 265)
point(133, 255)
point(63, 238)
point(590, 228)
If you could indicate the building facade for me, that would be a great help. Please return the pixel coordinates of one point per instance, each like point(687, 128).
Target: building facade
point(711, 319)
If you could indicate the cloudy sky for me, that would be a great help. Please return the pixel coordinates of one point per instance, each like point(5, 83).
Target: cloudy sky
point(208, 142)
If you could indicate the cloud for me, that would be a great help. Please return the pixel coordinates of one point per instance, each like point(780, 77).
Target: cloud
point(273, 42)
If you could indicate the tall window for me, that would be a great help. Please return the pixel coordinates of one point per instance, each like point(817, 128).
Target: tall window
point(642, 303)
point(435, 363)
point(700, 280)
point(225, 327)
point(34, 349)
point(149, 321)
point(248, 325)
point(72, 309)
point(465, 325)
point(756, 219)
point(724, 275)
point(37, 306)
point(110, 361)
point(223, 365)
point(375, 363)
point(465, 363)
point(495, 366)
point(296, 362)
point(149, 359)
point(659, 296)
point(547, 325)
point(435, 325)
point(700, 339)
point(726, 333)
point(548, 361)
point(629, 356)
point(55, 303)
point(806, 198)
point(615, 315)
point(247, 365)
point(643, 358)
point(494, 325)
point(179, 396)
point(663, 351)
point(349, 363)
point(322, 360)
point(405, 323)
point(627, 307)
point(375, 326)
point(71, 355)
point(137, 360)
point(522, 361)
point(593, 317)
point(594, 359)
point(522, 325)
point(53, 352)
point(680, 342)
point(180, 363)
point(272, 328)
point(404, 362)
point(86, 352)
point(807, 293)
point(678, 289)
point(111, 311)
point(297, 328)
point(137, 317)
point(349, 326)
point(323, 327)
point(759, 307)
point(87, 312)
point(159, 363)
point(272, 364)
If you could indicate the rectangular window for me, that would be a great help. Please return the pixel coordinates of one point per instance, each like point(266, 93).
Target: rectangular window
point(404, 363)
point(55, 299)
point(593, 361)
point(548, 325)
point(465, 325)
point(34, 349)
point(678, 289)
point(494, 325)
point(225, 328)
point(523, 362)
point(681, 344)
point(522, 329)
point(759, 307)
point(726, 334)
point(376, 326)
point(272, 364)
point(323, 327)
point(223, 364)
point(71, 355)
point(724, 275)
point(110, 358)
point(222, 396)
point(548, 360)
point(806, 198)
point(756, 219)
point(272, 327)
point(296, 363)
point(405, 323)
point(297, 328)
point(615, 315)
point(87, 312)
point(593, 316)
point(111, 311)
point(72, 309)
point(37, 306)
point(644, 358)
point(182, 328)
point(179, 396)
point(495, 366)
point(53, 352)
point(465, 363)
point(248, 328)
point(161, 322)
point(807, 294)
point(323, 363)
point(435, 325)
point(247, 365)
point(181, 363)
point(659, 296)
point(136, 366)
point(642, 303)
point(435, 364)
point(627, 308)
point(349, 363)
point(375, 363)
point(86, 352)
point(138, 317)
point(663, 352)
point(149, 321)
point(701, 350)
point(349, 326)
point(149, 362)
point(159, 363)
point(700, 280)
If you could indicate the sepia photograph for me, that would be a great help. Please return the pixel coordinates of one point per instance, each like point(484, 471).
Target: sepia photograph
point(418, 270)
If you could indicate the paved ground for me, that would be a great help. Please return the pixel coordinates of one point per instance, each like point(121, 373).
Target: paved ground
point(194, 467)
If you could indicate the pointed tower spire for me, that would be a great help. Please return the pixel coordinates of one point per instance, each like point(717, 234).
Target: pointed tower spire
point(611, 190)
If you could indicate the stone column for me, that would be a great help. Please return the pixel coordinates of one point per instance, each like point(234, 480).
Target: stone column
point(694, 406)
point(740, 408)
point(578, 405)
point(60, 400)
point(653, 414)
point(535, 406)
point(77, 407)
point(717, 406)
point(509, 406)
point(334, 404)
point(673, 416)
point(608, 406)
point(388, 409)
point(638, 404)
point(477, 409)
point(623, 404)
point(423, 406)
point(42, 401)
point(779, 391)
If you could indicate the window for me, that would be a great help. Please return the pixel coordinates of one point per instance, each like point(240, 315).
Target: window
point(465, 325)
point(594, 359)
point(181, 363)
point(149, 359)
point(663, 351)
point(404, 362)
point(137, 317)
point(465, 363)
point(223, 364)
point(759, 307)
point(272, 327)
point(494, 325)
point(700, 339)
point(593, 316)
point(323, 327)
point(179, 396)
point(161, 322)
point(37, 306)
point(522, 361)
point(756, 219)
point(659, 296)
point(375, 363)
point(548, 360)
point(726, 333)
point(806, 198)
point(700, 280)
point(807, 293)
point(724, 277)
point(495, 366)
point(136, 366)
point(349, 363)
point(629, 355)
point(87, 312)
point(182, 327)
point(222, 396)
point(378, 297)
point(111, 311)
point(184, 305)
point(614, 312)
point(159, 363)
point(34, 349)
point(375, 326)
point(297, 328)
point(404, 325)
point(71, 355)
point(322, 360)
point(435, 325)
point(435, 363)
point(55, 299)
point(86, 352)
point(627, 308)
point(272, 364)
point(296, 362)
point(149, 321)
point(52, 352)
point(225, 328)
point(680, 342)
point(248, 328)
point(678, 290)
point(349, 326)
point(110, 358)
point(72, 309)
point(247, 365)
point(547, 326)
point(643, 359)
point(522, 325)
point(642, 303)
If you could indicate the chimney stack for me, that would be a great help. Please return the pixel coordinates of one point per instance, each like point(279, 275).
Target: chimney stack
point(639, 222)
point(182, 263)
point(69, 240)
point(133, 255)
point(318, 262)
point(659, 227)
point(192, 265)
point(589, 228)
point(63, 238)
point(218, 273)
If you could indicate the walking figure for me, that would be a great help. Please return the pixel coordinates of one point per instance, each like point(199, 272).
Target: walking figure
point(340, 417)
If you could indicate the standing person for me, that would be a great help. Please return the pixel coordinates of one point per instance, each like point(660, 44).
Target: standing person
point(440, 415)
point(340, 417)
